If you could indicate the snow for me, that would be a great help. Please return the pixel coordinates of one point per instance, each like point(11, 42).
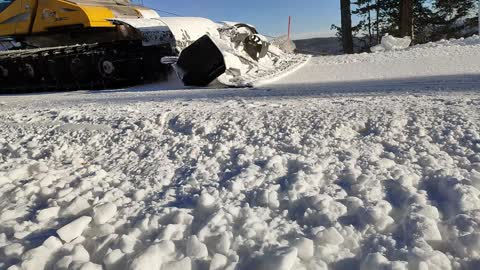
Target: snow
point(282, 259)
point(367, 161)
point(48, 213)
point(153, 257)
point(305, 248)
point(391, 43)
point(104, 212)
point(434, 66)
point(74, 229)
point(195, 248)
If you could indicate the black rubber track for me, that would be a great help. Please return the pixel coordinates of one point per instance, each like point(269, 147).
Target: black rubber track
point(77, 67)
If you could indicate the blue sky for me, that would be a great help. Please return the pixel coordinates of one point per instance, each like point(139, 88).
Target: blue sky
point(309, 17)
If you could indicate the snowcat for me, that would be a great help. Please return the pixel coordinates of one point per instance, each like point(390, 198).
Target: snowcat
point(98, 44)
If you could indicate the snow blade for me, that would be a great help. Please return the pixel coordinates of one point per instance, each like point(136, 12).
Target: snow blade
point(200, 63)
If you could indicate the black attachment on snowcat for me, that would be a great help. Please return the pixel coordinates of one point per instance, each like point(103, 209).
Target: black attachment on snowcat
point(200, 63)
point(256, 47)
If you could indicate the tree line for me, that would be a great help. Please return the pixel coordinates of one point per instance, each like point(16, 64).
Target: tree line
point(422, 20)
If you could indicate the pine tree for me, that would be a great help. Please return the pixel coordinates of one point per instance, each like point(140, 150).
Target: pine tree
point(455, 18)
point(376, 20)
point(423, 20)
point(368, 24)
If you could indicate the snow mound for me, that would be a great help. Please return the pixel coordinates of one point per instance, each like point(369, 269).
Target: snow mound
point(391, 43)
point(470, 41)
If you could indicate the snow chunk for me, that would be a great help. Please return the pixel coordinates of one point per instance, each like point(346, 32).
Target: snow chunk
point(422, 258)
point(140, 194)
point(391, 43)
point(305, 248)
point(90, 266)
point(74, 229)
point(13, 250)
point(374, 261)
point(329, 236)
point(206, 200)
point(218, 262)
point(76, 207)
point(378, 215)
point(18, 173)
point(38, 258)
point(195, 248)
point(127, 244)
point(153, 257)
point(52, 243)
point(469, 245)
point(4, 180)
point(224, 243)
point(104, 212)
point(385, 163)
point(47, 214)
point(101, 230)
point(326, 210)
point(64, 263)
point(183, 218)
point(80, 254)
point(423, 227)
point(184, 264)
point(113, 259)
point(281, 259)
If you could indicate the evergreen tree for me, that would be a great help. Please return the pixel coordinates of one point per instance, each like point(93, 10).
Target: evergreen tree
point(384, 17)
point(377, 18)
point(455, 18)
point(425, 20)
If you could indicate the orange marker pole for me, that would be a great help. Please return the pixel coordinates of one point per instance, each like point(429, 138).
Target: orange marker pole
point(289, 26)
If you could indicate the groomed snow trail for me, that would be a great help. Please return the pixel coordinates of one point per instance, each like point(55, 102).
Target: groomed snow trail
point(429, 63)
point(378, 172)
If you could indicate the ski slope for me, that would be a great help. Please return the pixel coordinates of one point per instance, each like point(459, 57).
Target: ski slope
point(368, 161)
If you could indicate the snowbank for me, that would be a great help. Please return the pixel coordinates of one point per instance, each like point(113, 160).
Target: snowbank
point(437, 63)
point(284, 44)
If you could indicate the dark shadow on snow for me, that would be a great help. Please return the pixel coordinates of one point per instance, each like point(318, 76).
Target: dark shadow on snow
point(173, 90)
point(417, 85)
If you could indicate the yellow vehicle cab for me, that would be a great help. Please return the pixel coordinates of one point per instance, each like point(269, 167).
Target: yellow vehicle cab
point(32, 19)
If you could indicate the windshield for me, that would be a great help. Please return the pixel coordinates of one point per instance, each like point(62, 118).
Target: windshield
point(116, 2)
point(4, 4)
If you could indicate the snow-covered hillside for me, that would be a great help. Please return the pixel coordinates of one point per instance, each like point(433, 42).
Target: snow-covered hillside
point(367, 161)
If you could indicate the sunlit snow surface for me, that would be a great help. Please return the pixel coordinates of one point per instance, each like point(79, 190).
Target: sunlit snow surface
point(367, 161)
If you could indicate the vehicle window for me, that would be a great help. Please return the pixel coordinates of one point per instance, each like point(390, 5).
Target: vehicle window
point(116, 2)
point(4, 4)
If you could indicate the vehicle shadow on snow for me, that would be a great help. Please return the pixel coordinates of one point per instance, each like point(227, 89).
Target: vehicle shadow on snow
point(414, 85)
point(175, 90)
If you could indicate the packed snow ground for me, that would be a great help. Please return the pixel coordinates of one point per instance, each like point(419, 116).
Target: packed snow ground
point(367, 161)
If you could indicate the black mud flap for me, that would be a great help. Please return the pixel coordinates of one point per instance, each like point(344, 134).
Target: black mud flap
point(200, 63)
